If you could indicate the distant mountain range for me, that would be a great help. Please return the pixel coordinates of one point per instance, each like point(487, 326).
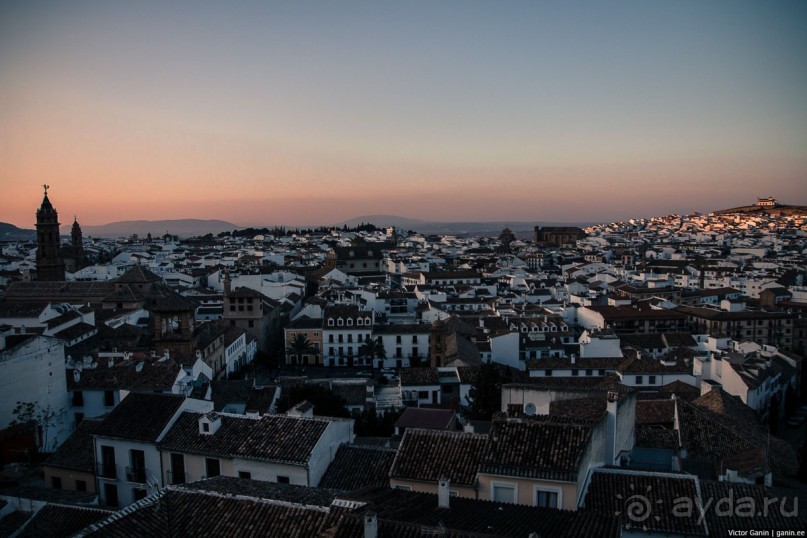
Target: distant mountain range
point(9, 232)
point(157, 228)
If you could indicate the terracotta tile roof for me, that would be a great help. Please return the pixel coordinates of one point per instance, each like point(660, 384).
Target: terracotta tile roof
point(271, 437)
point(428, 455)
point(419, 376)
point(656, 437)
point(209, 514)
point(613, 491)
point(140, 416)
point(261, 489)
point(137, 275)
point(532, 448)
point(153, 376)
point(77, 451)
point(477, 518)
point(579, 408)
point(356, 467)
point(764, 515)
point(57, 520)
point(655, 412)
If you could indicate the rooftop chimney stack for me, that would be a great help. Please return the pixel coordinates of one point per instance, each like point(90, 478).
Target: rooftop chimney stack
point(443, 493)
point(370, 525)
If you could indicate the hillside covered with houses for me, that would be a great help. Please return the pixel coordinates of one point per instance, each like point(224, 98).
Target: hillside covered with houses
point(379, 382)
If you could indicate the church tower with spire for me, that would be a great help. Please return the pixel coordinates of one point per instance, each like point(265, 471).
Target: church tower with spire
point(49, 263)
point(77, 242)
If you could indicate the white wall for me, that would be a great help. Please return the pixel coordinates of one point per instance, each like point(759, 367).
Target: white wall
point(34, 371)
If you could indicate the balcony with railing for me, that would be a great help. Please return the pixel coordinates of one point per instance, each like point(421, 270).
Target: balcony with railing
point(106, 470)
point(136, 474)
point(178, 477)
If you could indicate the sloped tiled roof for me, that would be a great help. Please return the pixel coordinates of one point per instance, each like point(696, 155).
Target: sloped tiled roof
point(58, 520)
point(779, 514)
point(77, 450)
point(428, 455)
point(535, 448)
point(419, 376)
point(140, 416)
point(478, 518)
point(356, 467)
point(137, 275)
point(153, 375)
point(612, 491)
point(271, 437)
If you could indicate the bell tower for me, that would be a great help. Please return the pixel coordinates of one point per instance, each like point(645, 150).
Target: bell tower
point(77, 243)
point(49, 263)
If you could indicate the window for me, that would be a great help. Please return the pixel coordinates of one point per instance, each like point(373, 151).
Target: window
point(330, 338)
point(575, 373)
point(78, 417)
point(414, 339)
point(111, 494)
point(330, 322)
point(206, 427)
point(340, 322)
point(212, 467)
point(404, 488)
point(398, 339)
point(639, 380)
point(503, 493)
point(349, 322)
point(547, 498)
point(588, 372)
point(245, 474)
point(109, 398)
point(423, 394)
point(251, 323)
point(78, 398)
point(651, 380)
point(548, 373)
point(282, 479)
point(56, 482)
point(81, 485)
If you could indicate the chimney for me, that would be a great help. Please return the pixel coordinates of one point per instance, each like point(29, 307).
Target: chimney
point(443, 493)
point(370, 525)
point(610, 428)
point(574, 357)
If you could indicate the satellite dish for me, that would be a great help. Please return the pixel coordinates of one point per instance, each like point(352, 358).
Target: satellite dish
point(529, 409)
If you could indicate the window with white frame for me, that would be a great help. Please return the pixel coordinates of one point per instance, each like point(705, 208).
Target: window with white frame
point(547, 497)
point(503, 492)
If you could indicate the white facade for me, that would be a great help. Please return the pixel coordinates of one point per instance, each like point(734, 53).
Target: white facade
point(33, 372)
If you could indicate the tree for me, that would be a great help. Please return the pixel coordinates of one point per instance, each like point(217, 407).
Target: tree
point(373, 349)
point(300, 345)
point(31, 413)
point(485, 394)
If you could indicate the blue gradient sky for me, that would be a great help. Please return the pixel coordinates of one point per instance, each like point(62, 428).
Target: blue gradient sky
point(312, 112)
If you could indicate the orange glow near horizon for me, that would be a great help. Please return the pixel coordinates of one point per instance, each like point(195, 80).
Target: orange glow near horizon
point(271, 113)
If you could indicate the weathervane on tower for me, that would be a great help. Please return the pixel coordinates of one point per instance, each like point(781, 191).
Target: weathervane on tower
point(46, 189)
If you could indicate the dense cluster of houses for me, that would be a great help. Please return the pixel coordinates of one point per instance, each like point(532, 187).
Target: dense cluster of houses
point(653, 357)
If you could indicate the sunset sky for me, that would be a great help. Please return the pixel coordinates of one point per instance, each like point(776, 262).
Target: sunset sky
point(297, 112)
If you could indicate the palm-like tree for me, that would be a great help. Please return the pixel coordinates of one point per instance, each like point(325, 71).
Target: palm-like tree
point(372, 349)
point(300, 345)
